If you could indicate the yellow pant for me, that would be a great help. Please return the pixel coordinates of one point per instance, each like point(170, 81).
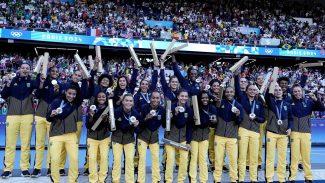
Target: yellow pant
point(251, 139)
point(223, 144)
point(164, 157)
point(300, 147)
point(64, 152)
point(154, 150)
point(129, 165)
point(281, 142)
point(182, 171)
point(42, 128)
point(211, 147)
point(199, 152)
point(262, 134)
point(70, 143)
point(18, 125)
point(136, 157)
point(95, 146)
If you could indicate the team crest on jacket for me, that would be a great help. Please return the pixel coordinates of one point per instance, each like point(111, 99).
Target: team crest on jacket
point(285, 108)
point(28, 85)
point(159, 117)
point(257, 106)
point(186, 115)
point(119, 119)
point(222, 106)
point(46, 87)
point(15, 84)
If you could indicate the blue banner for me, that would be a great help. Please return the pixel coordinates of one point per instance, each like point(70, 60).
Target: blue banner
point(270, 41)
point(161, 24)
point(269, 51)
point(301, 53)
point(57, 37)
point(248, 30)
point(145, 44)
point(15, 34)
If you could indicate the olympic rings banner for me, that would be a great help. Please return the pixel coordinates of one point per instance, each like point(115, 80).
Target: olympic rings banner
point(122, 42)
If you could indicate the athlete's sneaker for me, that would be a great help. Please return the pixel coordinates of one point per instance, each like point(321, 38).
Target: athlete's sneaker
point(62, 172)
point(86, 172)
point(36, 173)
point(25, 173)
point(6, 174)
point(48, 172)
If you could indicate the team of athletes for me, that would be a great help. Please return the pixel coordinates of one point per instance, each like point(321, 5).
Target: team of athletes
point(234, 124)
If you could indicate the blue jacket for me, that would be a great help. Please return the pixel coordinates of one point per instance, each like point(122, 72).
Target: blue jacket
point(193, 88)
point(46, 95)
point(155, 122)
point(102, 131)
point(19, 95)
point(129, 89)
point(124, 133)
point(168, 93)
point(122, 119)
point(66, 121)
point(200, 132)
point(180, 125)
point(286, 115)
point(205, 113)
point(139, 97)
point(244, 101)
point(301, 111)
point(224, 112)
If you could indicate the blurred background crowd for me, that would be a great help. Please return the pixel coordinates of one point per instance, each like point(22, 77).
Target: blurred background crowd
point(188, 20)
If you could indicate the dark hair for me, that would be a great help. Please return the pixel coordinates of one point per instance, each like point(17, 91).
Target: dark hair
point(127, 95)
point(200, 97)
point(283, 78)
point(72, 86)
point(182, 90)
point(118, 79)
point(109, 77)
point(155, 91)
point(96, 102)
point(249, 84)
point(213, 81)
point(49, 72)
point(189, 71)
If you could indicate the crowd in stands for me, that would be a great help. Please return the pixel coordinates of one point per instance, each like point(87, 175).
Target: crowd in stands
point(198, 21)
point(116, 67)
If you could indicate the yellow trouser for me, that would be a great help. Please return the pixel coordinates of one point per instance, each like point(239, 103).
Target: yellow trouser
point(164, 157)
point(129, 165)
point(42, 128)
point(95, 147)
point(223, 144)
point(154, 150)
point(300, 147)
point(281, 142)
point(199, 152)
point(64, 152)
point(18, 125)
point(262, 134)
point(251, 139)
point(211, 146)
point(136, 156)
point(182, 171)
point(69, 142)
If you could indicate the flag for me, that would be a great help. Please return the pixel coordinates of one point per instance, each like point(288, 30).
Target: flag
point(93, 32)
point(286, 46)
